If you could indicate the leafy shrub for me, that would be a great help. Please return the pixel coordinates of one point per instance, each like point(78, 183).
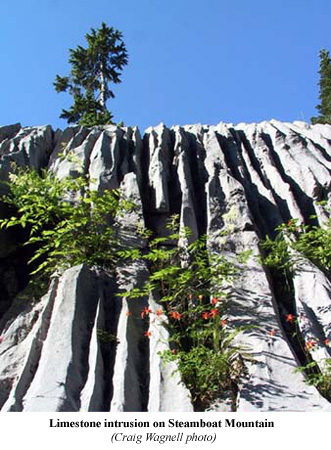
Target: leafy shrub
point(67, 222)
point(319, 376)
point(293, 240)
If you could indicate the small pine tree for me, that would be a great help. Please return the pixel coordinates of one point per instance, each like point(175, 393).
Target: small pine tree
point(324, 107)
point(92, 70)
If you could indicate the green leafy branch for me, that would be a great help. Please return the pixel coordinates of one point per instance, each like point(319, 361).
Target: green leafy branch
point(295, 240)
point(67, 222)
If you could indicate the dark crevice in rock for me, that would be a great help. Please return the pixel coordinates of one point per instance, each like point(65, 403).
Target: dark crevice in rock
point(319, 331)
point(112, 309)
point(143, 371)
point(324, 154)
point(252, 157)
point(175, 199)
point(92, 139)
point(133, 349)
point(196, 157)
point(123, 162)
point(85, 311)
point(266, 214)
point(127, 149)
point(145, 189)
point(283, 291)
point(137, 371)
point(282, 205)
point(106, 331)
point(257, 203)
point(14, 268)
point(231, 149)
point(304, 202)
point(32, 362)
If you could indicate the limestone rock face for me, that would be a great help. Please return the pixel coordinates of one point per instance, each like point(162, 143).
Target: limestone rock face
point(82, 348)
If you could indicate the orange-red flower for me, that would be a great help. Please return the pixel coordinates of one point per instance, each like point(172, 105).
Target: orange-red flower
point(214, 300)
point(159, 312)
point(175, 315)
point(205, 315)
point(290, 318)
point(327, 342)
point(213, 313)
point(223, 322)
point(310, 345)
point(148, 334)
point(145, 312)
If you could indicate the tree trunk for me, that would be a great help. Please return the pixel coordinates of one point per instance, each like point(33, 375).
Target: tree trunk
point(102, 88)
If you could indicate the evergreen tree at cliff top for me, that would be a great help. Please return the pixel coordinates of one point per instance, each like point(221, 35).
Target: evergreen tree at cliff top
point(93, 68)
point(324, 107)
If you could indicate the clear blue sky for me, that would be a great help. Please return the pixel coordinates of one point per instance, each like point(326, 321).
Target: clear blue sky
point(190, 61)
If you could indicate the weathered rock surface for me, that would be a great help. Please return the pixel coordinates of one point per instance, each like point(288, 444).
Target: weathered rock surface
point(82, 348)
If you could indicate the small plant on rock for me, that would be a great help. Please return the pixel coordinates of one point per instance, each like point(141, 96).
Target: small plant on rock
point(295, 240)
point(318, 375)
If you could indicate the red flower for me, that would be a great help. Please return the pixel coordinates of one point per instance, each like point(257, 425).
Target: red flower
point(145, 312)
point(175, 315)
point(214, 300)
point(223, 322)
point(327, 342)
point(290, 318)
point(213, 313)
point(159, 312)
point(205, 315)
point(174, 351)
point(148, 334)
point(272, 332)
point(290, 223)
point(309, 345)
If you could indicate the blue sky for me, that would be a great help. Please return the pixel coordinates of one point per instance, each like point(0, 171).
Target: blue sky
point(190, 61)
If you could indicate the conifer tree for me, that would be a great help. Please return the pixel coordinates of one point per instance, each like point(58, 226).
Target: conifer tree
point(324, 107)
point(92, 69)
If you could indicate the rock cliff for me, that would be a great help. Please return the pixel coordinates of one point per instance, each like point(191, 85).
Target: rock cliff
point(246, 179)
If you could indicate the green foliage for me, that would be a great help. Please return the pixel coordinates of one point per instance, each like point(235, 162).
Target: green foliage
point(294, 240)
point(324, 108)
point(191, 283)
point(319, 375)
point(106, 337)
point(67, 222)
point(206, 373)
point(92, 70)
